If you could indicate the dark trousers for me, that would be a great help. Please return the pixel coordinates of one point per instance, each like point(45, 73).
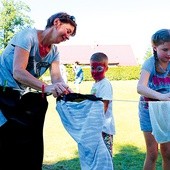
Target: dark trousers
point(21, 138)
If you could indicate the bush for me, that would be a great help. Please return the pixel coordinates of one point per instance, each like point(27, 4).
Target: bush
point(123, 73)
point(113, 73)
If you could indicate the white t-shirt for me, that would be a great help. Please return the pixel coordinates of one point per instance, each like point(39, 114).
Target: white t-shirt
point(103, 89)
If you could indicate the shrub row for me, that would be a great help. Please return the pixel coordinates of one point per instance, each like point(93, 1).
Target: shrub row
point(113, 73)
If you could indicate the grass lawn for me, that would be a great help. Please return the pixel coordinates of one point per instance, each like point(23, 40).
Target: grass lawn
point(60, 150)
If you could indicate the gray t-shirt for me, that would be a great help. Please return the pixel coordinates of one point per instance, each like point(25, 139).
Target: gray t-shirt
point(28, 40)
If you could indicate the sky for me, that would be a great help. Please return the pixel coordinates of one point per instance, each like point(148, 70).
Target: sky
point(108, 22)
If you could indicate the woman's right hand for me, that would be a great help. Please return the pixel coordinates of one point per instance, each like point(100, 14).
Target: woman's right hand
point(58, 89)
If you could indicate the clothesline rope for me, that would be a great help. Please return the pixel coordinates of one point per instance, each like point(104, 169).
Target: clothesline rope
point(121, 100)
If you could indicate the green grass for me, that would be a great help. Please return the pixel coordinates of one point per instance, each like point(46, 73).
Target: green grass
point(60, 150)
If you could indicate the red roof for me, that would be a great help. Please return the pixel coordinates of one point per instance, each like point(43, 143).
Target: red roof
point(121, 54)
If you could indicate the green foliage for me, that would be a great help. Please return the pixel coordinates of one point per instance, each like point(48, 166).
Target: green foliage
point(123, 73)
point(113, 73)
point(13, 18)
point(148, 53)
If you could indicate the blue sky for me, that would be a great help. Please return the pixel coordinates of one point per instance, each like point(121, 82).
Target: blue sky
point(115, 22)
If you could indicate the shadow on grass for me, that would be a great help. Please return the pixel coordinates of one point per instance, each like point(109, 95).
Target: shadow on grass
point(72, 164)
point(129, 157)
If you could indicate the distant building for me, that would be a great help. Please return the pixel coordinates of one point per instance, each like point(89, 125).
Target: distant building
point(121, 55)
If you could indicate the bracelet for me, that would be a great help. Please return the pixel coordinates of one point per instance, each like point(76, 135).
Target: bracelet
point(42, 89)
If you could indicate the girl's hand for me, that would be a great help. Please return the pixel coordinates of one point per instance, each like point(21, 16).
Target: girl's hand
point(164, 97)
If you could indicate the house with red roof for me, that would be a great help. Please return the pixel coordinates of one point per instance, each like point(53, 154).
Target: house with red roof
point(121, 55)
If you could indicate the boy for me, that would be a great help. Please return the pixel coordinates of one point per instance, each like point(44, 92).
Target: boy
point(103, 88)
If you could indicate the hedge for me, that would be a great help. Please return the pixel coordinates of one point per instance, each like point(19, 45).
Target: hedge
point(113, 73)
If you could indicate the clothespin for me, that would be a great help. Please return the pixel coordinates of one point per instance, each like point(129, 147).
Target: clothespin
point(42, 89)
point(5, 85)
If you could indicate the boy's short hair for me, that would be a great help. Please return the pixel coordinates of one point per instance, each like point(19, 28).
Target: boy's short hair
point(99, 57)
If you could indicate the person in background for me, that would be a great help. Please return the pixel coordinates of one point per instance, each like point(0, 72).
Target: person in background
point(64, 72)
point(79, 75)
point(27, 56)
point(153, 84)
point(102, 88)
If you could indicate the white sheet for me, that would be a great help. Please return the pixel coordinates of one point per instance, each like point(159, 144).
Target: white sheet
point(160, 120)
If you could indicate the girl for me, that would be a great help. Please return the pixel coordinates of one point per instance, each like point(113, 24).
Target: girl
point(154, 84)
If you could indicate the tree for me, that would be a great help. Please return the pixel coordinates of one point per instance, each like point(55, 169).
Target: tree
point(13, 18)
point(148, 53)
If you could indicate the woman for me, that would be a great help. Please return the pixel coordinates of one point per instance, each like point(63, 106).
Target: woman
point(28, 55)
